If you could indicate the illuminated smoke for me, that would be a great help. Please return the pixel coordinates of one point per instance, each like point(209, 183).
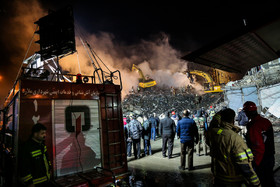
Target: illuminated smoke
point(155, 58)
point(22, 27)
point(16, 34)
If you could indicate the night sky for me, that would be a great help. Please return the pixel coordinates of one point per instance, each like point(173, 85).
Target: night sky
point(189, 26)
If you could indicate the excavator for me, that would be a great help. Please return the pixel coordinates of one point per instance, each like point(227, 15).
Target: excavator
point(210, 85)
point(144, 82)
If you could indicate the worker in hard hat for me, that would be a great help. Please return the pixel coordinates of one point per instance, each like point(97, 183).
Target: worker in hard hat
point(260, 139)
point(231, 162)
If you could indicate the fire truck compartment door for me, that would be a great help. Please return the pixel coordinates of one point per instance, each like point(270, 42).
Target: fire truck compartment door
point(76, 136)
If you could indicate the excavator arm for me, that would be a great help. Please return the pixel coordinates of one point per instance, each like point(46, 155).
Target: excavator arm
point(139, 71)
point(206, 76)
point(144, 83)
point(209, 86)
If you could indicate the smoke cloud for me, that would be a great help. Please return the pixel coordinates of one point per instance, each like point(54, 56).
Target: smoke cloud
point(156, 58)
point(16, 32)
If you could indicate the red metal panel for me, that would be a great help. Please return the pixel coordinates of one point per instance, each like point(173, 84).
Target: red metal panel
point(32, 110)
point(114, 155)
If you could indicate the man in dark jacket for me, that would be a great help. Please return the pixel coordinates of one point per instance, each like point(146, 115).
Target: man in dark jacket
point(134, 135)
point(147, 136)
point(33, 160)
point(167, 129)
point(188, 133)
point(157, 128)
point(154, 124)
point(260, 139)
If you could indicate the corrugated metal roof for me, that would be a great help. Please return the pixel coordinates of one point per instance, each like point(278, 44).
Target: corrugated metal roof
point(242, 51)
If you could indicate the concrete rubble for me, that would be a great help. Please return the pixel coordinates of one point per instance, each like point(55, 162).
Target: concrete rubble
point(160, 100)
point(264, 77)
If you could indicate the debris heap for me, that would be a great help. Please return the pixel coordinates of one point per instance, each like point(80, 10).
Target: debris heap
point(159, 101)
point(261, 78)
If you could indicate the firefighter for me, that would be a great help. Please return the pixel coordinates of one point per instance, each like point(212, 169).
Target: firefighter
point(33, 159)
point(231, 162)
point(260, 139)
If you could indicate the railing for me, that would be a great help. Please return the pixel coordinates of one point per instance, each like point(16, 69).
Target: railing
point(107, 78)
point(100, 75)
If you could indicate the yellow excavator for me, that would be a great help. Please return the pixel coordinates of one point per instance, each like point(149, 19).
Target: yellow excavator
point(209, 86)
point(144, 82)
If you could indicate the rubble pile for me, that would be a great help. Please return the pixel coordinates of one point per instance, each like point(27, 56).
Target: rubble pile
point(264, 77)
point(159, 101)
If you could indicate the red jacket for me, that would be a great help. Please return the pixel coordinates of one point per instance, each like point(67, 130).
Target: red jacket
point(124, 121)
point(260, 138)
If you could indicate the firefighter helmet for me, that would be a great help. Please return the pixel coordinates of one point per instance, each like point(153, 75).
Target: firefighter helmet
point(249, 106)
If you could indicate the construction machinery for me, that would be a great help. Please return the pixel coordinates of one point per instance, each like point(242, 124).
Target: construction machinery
point(144, 82)
point(210, 85)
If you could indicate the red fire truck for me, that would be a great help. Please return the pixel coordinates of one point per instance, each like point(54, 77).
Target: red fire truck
point(85, 134)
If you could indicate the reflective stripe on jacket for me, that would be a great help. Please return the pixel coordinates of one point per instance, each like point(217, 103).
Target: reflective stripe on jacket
point(231, 158)
point(34, 166)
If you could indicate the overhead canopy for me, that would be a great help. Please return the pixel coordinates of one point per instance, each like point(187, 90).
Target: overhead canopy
point(240, 52)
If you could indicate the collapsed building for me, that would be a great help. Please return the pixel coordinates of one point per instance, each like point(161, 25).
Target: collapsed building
point(261, 85)
point(161, 100)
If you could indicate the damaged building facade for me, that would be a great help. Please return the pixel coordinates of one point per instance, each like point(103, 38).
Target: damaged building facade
point(261, 85)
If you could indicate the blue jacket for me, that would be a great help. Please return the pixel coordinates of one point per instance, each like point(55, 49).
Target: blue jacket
point(134, 129)
point(187, 130)
point(242, 118)
point(146, 130)
point(154, 122)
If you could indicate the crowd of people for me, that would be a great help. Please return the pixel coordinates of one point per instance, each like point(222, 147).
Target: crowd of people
point(241, 147)
point(150, 127)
